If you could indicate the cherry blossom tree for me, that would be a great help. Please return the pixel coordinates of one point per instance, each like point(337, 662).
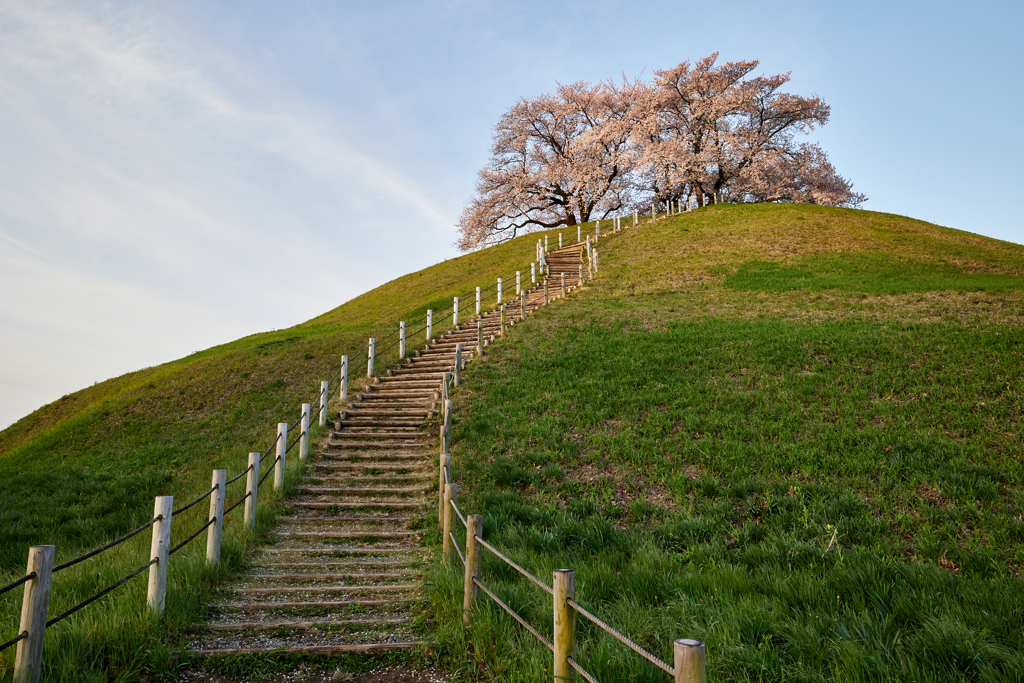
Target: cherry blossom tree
point(802, 175)
point(557, 159)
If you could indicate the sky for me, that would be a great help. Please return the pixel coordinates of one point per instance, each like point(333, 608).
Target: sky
point(179, 174)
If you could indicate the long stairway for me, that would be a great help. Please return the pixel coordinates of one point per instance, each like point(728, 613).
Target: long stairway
point(342, 572)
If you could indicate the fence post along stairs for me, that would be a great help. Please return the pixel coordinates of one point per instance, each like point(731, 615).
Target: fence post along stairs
point(342, 572)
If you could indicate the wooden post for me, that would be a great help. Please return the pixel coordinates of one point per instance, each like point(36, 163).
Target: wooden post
point(304, 434)
point(448, 420)
point(519, 283)
point(654, 212)
point(450, 491)
point(215, 531)
point(478, 301)
point(458, 364)
point(578, 238)
point(158, 549)
point(474, 528)
point(635, 217)
point(455, 312)
point(442, 463)
point(282, 447)
point(563, 585)
point(430, 324)
point(370, 353)
point(479, 337)
point(324, 386)
point(343, 391)
point(499, 290)
point(563, 285)
point(533, 272)
point(597, 230)
point(597, 266)
point(522, 308)
point(252, 484)
point(559, 240)
point(690, 661)
point(545, 244)
point(401, 340)
point(35, 602)
point(546, 300)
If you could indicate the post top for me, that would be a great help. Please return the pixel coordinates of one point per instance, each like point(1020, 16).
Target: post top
point(690, 642)
point(565, 571)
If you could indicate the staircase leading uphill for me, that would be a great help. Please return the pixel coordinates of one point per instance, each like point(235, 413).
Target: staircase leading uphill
point(342, 570)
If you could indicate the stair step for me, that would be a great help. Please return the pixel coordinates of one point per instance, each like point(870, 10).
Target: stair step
point(245, 606)
point(321, 589)
point(302, 625)
point(315, 649)
point(345, 534)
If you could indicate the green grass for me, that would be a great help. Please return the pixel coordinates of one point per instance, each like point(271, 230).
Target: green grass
point(83, 470)
point(791, 432)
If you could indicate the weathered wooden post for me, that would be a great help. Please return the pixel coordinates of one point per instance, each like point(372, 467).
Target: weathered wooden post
point(479, 337)
point(533, 272)
point(450, 492)
point(455, 312)
point(578, 238)
point(690, 661)
point(370, 353)
point(519, 283)
point(430, 324)
point(597, 230)
point(443, 461)
point(324, 387)
point(35, 602)
point(559, 240)
point(458, 364)
point(563, 585)
point(304, 431)
point(215, 531)
point(635, 217)
point(654, 211)
point(343, 390)
point(252, 485)
point(282, 447)
point(563, 284)
point(474, 528)
point(478, 301)
point(401, 340)
point(158, 550)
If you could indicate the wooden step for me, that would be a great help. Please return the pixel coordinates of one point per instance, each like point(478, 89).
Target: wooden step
point(321, 589)
point(302, 625)
point(315, 649)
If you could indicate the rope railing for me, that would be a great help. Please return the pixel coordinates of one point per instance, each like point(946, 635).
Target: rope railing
point(15, 584)
point(267, 452)
point(292, 445)
point(579, 669)
point(515, 566)
point(622, 639)
point(270, 468)
point(512, 614)
point(238, 476)
point(196, 501)
point(237, 503)
point(458, 550)
point(99, 595)
point(192, 537)
point(14, 641)
point(108, 546)
point(458, 513)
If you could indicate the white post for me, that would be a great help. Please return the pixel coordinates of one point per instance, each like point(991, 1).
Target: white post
point(282, 447)
point(29, 656)
point(654, 213)
point(252, 483)
point(478, 301)
point(215, 531)
point(455, 312)
point(304, 434)
point(578, 238)
point(370, 353)
point(559, 240)
point(533, 272)
point(430, 324)
point(458, 363)
point(545, 244)
point(597, 266)
point(158, 550)
point(343, 392)
point(597, 228)
point(479, 337)
point(324, 386)
point(519, 283)
point(635, 217)
point(401, 340)
point(499, 290)
point(690, 659)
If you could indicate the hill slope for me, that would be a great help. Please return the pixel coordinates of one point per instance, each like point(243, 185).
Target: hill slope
point(792, 432)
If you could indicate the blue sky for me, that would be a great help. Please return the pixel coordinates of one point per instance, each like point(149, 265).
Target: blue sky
point(175, 175)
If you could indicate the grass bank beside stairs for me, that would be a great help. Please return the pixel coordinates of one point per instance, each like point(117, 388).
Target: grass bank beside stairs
point(792, 432)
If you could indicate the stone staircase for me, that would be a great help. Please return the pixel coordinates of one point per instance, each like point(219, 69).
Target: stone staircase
point(342, 571)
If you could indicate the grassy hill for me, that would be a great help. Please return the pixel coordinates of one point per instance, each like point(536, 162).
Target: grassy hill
point(793, 432)
point(83, 470)
point(790, 431)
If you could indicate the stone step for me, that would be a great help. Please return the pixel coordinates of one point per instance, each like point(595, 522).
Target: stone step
point(303, 625)
point(323, 589)
point(315, 649)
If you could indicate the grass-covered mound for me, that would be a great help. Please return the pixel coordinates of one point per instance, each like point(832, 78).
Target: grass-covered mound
point(792, 432)
point(84, 470)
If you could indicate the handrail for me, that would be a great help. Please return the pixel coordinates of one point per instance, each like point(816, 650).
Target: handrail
point(190, 538)
point(12, 586)
point(515, 566)
point(235, 478)
point(108, 546)
point(457, 548)
point(579, 669)
point(515, 616)
point(99, 595)
point(623, 639)
point(200, 498)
